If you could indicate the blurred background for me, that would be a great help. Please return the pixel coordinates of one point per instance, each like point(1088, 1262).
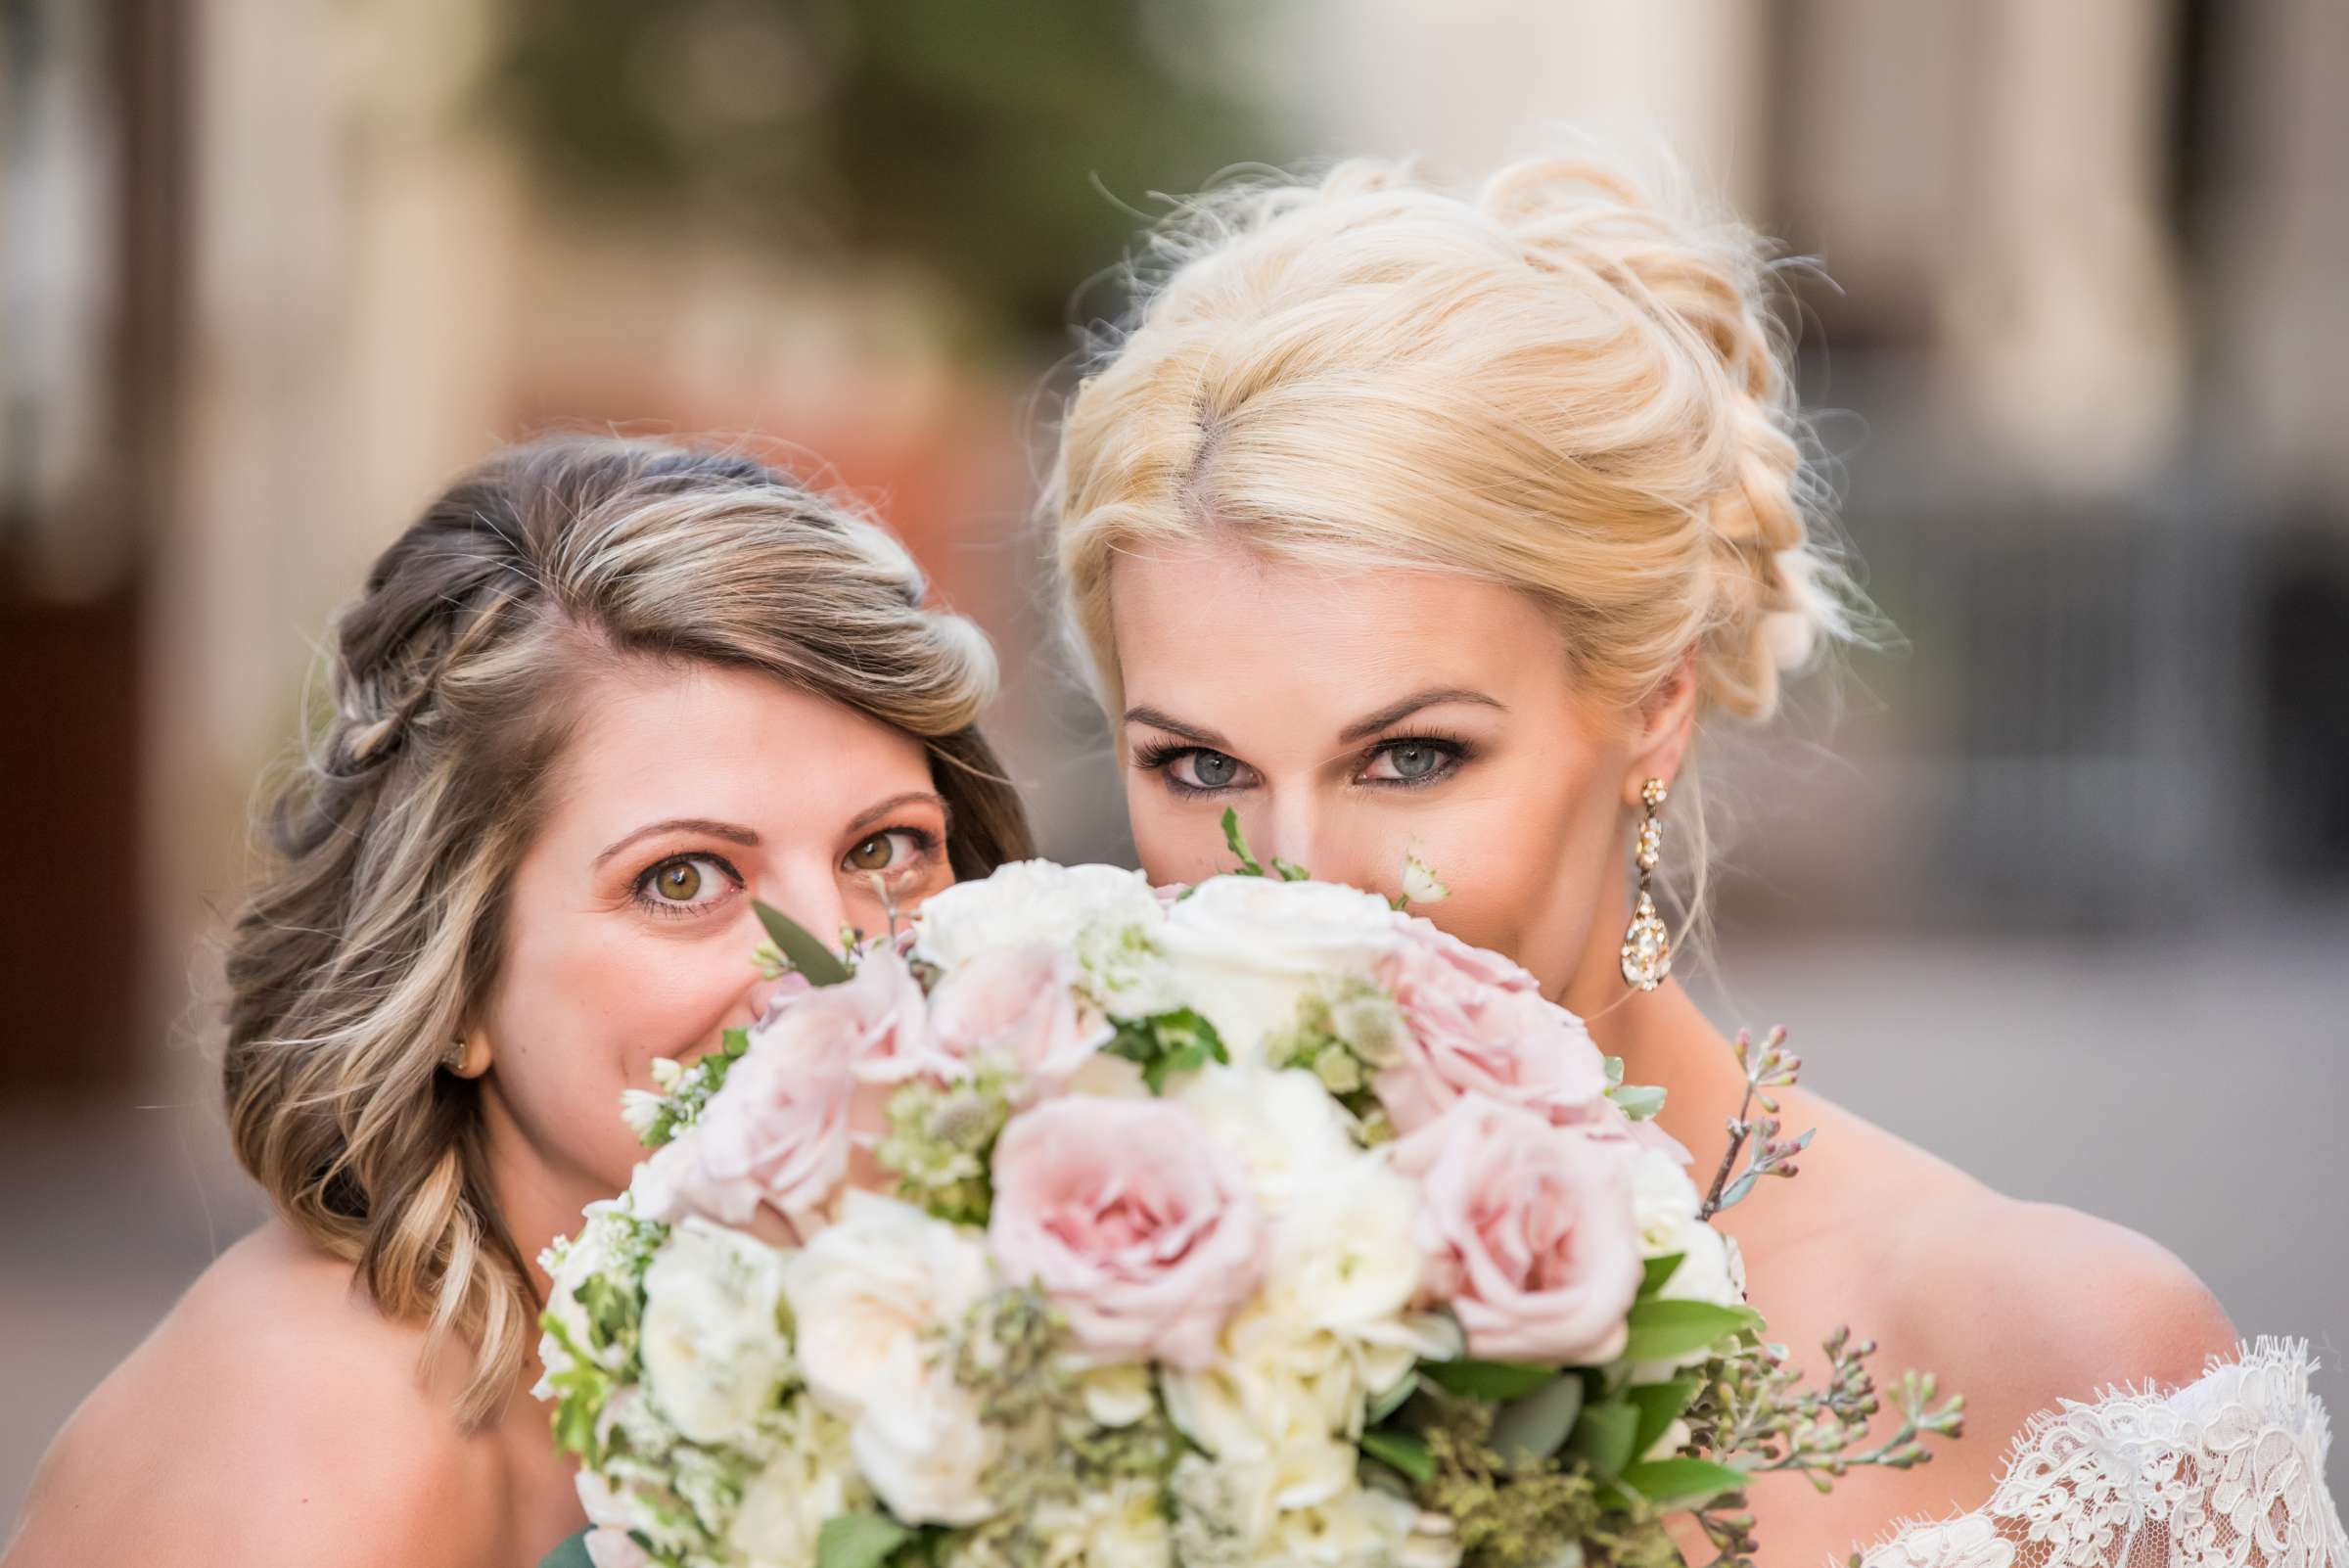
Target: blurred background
point(2058, 887)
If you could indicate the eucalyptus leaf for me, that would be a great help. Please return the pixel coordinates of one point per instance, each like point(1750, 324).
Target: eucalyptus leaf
point(1604, 1435)
point(1495, 1381)
point(572, 1553)
point(1682, 1483)
point(1399, 1449)
point(1736, 1191)
point(1536, 1426)
point(859, 1540)
point(1667, 1330)
point(804, 949)
point(1614, 1072)
point(1638, 1101)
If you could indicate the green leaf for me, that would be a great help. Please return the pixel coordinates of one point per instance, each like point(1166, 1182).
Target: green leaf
point(859, 1540)
point(1497, 1381)
point(733, 1042)
point(1682, 1483)
point(1290, 870)
point(1667, 1330)
point(1660, 1271)
point(1614, 1072)
point(1604, 1435)
point(1659, 1405)
point(1402, 1451)
point(1536, 1426)
point(573, 1553)
point(803, 948)
point(1239, 844)
point(1638, 1101)
point(1394, 1399)
point(1184, 1059)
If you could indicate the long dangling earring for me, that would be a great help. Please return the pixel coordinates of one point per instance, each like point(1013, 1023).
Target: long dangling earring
point(1647, 944)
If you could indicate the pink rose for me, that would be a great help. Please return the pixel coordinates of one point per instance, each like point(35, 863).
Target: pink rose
point(1476, 1024)
point(1529, 1232)
point(1136, 1223)
point(1019, 1006)
point(806, 1096)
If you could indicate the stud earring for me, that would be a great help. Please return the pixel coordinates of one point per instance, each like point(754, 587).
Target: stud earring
point(1646, 942)
point(458, 1058)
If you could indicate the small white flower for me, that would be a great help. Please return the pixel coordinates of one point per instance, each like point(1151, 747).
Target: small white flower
point(1118, 1526)
point(1419, 884)
point(1116, 1395)
point(640, 1109)
point(667, 1074)
point(713, 1355)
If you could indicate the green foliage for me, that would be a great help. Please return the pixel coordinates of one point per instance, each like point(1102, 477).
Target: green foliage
point(1682, 1483)
point(683, 1105)
point(800, 948)
point(1498, 1381)
point(1237, 843)
point(991, 144)
point(1404, 1453)
point(941, 1137)
point(1665, 1330)
point(1537, 1426)
point(1603, 1437)
point(1166, 1044)
point(859, 1540)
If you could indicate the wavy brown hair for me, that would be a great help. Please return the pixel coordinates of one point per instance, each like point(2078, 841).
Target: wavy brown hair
point(378, 928)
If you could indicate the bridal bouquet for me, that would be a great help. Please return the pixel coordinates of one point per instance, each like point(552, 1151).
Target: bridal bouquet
point(1084, 1225)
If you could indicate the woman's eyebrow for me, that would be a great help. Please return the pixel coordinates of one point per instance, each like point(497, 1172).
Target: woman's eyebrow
point(732, 832)
point(1159, 719)
point(1434, 697)
point(881, 808)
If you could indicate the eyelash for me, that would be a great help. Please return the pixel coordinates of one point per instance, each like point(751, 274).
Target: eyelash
point(1155, 756)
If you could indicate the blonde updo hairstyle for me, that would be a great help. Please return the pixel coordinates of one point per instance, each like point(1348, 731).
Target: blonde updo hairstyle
point(456, 675)
point(1557, 383)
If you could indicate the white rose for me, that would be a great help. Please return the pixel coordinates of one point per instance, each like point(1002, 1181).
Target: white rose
point(613, 1515)
point(714, 1355)
point(1119, 1526)
point(653, 1192)
point(1664, 1207)
point(927, 1452)
point(1095, 911)
point(870, 1294)
point(811, 1479)
point(1245, 950)
point(1283, 1125)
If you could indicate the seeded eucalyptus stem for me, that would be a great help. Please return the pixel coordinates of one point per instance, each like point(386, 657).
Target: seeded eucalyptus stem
point(1771, 1067)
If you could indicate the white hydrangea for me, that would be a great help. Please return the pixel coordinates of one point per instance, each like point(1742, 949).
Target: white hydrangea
point(1116, 1526)
point(811, 1478)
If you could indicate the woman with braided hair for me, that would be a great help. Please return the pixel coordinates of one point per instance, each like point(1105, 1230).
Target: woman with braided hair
point(1414, 522)
point(595, 698)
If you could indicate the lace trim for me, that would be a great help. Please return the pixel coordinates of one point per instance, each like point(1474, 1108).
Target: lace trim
point(2226, 1472)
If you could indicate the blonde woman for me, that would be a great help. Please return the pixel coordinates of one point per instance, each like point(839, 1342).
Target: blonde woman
point(596, 698)
point(1411, 521)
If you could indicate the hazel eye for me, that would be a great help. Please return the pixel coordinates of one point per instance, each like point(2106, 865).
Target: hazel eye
point(883, 851)
point(686, 880)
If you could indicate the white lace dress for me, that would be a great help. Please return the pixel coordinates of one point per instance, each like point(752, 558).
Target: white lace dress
point(2226, 1472)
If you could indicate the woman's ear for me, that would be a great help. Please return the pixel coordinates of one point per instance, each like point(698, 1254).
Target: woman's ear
point(1667, 730)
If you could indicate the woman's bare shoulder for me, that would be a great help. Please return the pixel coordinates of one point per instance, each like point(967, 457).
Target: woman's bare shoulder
point(2062, 1305)
point(274, 1416)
